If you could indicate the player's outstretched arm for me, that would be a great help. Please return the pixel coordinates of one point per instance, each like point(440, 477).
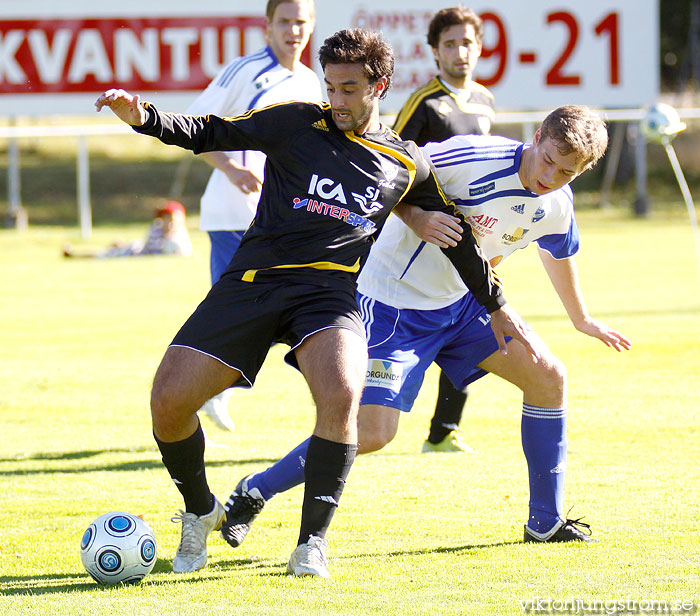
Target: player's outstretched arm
point(127, 107)
point(436, 228)
point(564, 277)
point(607, 336)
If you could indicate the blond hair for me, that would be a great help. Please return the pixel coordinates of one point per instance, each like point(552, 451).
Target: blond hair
point(579, 129)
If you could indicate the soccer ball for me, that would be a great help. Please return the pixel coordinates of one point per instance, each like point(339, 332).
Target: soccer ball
point(661, 123)
point(118, 547)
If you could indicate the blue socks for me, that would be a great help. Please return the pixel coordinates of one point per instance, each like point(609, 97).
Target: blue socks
point(283, 474)
point(544, 444)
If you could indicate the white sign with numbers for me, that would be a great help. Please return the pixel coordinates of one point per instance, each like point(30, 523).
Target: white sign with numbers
point(537, 54)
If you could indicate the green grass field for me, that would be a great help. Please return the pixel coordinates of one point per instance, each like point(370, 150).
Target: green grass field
point(415, 534)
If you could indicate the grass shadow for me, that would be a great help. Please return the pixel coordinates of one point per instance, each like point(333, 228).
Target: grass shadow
point(74, 455)
point(133, 465)
point(437, 550)
point(64, 583)
point(43, 584)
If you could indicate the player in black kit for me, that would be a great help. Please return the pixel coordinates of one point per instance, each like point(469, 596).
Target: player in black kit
point(332, 176)
point(451, 103)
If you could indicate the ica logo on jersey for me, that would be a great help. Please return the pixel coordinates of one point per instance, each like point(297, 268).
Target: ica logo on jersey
point(333, 191)
point(327, 189)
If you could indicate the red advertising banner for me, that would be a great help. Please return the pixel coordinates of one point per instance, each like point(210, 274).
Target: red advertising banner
point(88, 55)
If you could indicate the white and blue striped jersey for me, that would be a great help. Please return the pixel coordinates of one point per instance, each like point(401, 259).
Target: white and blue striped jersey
point(249, 82)
point(480, 174)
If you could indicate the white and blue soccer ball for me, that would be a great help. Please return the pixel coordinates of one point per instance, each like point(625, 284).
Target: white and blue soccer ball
point(118, 547)
point(661, 123)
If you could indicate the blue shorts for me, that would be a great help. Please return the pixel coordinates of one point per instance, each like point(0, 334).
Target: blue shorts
point(224, 245)
point(403, 343)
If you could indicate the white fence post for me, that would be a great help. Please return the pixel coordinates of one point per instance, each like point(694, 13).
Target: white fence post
point(16, 215)
point(641, 201)
point(13, 177)
point(83, 171)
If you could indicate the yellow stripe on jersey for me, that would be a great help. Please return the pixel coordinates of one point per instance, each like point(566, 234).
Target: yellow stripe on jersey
point(414, 100)
point(249, 276)
point(252, 112)
point(435, 85)
point(475, 108)
point(483, 89)
point(404, 160)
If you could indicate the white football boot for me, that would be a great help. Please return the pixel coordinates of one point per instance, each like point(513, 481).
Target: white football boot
point(309, 558)
point(192, 553)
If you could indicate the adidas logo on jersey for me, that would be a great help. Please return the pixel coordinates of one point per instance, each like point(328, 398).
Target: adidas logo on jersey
point(320, 125)
point(520, 209)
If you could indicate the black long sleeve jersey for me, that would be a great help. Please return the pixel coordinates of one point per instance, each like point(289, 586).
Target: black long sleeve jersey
point(435, 113)
point(326, 192)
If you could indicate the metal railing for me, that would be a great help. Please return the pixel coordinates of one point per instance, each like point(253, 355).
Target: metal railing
point(528, 119)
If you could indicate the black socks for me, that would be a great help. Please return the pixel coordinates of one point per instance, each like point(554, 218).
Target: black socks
point(448, 410)
point(327, 466)
point(185, 463)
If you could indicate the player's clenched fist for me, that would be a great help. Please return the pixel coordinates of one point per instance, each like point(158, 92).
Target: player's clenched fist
point(124, 105)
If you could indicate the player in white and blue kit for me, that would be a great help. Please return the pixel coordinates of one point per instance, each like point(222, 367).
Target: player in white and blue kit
point(272, 75)
point(417, 310)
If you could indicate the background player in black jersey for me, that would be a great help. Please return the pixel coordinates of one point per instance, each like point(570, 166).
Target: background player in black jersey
point(451, 103)
point(333, 174)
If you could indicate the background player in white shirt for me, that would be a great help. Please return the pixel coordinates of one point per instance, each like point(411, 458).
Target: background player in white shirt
point(417, 311)
point(272, 75)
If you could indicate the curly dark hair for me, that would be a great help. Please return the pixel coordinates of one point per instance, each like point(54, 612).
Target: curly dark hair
point(359, 46)
point(446, 18)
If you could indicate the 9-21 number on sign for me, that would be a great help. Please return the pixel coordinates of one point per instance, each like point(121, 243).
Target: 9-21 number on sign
point(557, 74)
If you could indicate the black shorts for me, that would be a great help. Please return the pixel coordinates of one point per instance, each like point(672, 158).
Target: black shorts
point(238, 321)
